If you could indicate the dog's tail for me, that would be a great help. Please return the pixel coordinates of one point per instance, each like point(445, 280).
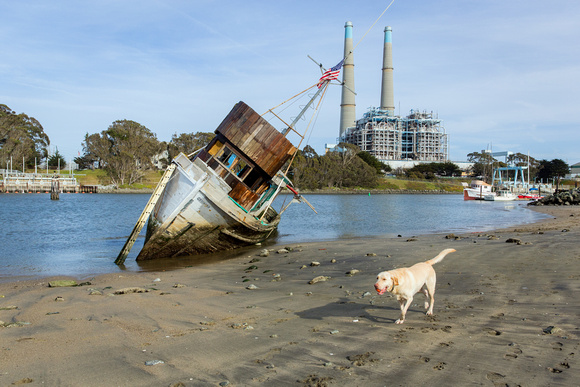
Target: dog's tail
point(440, 257)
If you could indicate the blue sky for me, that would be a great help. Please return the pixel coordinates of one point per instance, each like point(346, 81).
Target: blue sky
point(500, 74)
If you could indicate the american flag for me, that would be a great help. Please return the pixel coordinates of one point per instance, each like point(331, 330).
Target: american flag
point(330, 74)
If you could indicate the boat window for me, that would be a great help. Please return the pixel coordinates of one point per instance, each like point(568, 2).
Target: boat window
point(235, 164)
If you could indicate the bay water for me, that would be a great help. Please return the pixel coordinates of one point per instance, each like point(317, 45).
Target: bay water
point(80, 235)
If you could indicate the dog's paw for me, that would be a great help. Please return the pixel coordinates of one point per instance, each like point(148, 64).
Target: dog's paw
point(429, 313)
point(399, 321)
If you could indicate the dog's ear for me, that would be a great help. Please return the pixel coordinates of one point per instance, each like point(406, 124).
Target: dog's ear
point(395, 281)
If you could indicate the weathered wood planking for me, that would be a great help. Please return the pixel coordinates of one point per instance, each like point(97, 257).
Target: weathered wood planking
point(256, 138)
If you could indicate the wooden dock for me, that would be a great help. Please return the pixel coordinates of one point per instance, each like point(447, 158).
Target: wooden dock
point(18, 182)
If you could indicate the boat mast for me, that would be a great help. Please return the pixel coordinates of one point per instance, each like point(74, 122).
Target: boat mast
point(299, 116)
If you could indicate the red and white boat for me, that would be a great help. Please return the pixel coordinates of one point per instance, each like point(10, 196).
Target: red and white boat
point(476, 190)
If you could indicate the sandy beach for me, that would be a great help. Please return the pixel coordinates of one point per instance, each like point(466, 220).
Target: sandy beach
point(506, 314)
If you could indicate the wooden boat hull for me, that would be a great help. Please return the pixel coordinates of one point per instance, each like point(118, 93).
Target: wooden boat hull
point(195, 215)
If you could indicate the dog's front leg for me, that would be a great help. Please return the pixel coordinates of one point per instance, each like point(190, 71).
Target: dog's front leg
point(404, 303)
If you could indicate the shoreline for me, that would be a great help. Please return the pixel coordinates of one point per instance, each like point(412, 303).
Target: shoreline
point(201, 325)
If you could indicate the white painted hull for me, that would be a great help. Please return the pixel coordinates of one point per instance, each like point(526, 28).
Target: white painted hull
point(195, 215)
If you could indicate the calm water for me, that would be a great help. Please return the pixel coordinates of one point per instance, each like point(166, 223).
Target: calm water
point(81, 234)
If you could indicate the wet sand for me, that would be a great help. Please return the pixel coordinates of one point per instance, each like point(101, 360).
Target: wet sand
point(505, 314)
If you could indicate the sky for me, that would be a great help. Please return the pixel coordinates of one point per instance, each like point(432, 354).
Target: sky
point(501, 74)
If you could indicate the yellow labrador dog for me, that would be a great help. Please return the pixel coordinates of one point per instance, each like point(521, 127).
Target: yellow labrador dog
point(408, 281)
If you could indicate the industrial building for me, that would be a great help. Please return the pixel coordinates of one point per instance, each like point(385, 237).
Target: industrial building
point(418, 137)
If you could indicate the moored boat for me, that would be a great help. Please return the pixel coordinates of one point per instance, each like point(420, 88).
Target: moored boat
point(476, 190)
point(501, 196)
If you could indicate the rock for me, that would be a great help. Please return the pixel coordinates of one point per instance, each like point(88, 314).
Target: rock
point(303, 267)
point(59, 298)
point(366, 294)
point(179, 286)
point(157, 280)
point(223, 384)
point(283, 251)
point(371, 254)
point(450, 236)
point(334, 332)
point(131, 290)
point(352, 272)
point(252, 287)
point(320, 278)
point(9, 307)
point(62, 283)
point(95, 293)
point(314, 263)
point(514, 240)
point(265, 253)
point(411, 239)
point(333, 260)
point(551, 330)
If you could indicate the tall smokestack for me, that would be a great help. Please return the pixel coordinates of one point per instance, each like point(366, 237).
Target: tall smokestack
point(347, 105)
point(387, 94)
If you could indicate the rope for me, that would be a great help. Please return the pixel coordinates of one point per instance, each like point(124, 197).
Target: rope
point(370, 28)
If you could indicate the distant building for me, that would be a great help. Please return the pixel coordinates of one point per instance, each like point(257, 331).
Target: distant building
point(397, 141)
point(574, 171)
point(418, 137)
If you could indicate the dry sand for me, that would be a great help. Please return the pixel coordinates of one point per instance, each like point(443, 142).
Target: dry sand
point(506, 314)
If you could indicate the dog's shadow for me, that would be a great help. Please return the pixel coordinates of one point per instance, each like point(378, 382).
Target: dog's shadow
point(353, 310)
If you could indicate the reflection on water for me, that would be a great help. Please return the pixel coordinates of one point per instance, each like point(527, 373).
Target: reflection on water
point(81, 234)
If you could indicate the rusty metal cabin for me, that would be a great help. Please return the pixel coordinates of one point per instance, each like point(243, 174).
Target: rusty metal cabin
point(247, 152)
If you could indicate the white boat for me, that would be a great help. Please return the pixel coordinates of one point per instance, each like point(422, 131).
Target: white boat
point(221, 197)
point(501, 195)
point(476, 190)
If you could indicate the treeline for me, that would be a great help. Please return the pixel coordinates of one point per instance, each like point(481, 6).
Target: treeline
point(542, 170)
point(127, 149)
point(346, 167)
point(21, 138)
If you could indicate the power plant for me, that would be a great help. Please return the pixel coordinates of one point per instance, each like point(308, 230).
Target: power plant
point(419, 137)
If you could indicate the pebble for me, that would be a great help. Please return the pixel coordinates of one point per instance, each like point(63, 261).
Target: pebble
point(328, 364)
point(157, 280)
point(314, 263)
point(366, 294)
point(303, 267)
point(223, 384)
point(282, 251)
point(265, 253)
point(59, 298)
point(9, 307)
point(95, 293)
point(252, 287)
point(352, 272)
point(371, 254)
point(131, 290)
point(334, 332)
point(320, 278)
point(333, 260)
point(178, 286)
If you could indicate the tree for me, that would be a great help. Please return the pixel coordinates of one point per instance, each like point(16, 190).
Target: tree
point(188, 143)
point(374, 162)
point(556, 168)
point(482, 164)
point(521, 160)
point(341, 168)
point(21, 136)
point(125, 150)
point(57, 160)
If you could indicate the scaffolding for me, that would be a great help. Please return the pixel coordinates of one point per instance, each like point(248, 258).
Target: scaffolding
point(417, 137)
